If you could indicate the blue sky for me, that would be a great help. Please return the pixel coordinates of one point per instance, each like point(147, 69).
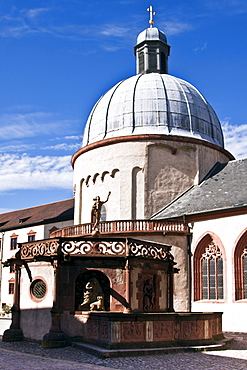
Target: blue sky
point(59, 56)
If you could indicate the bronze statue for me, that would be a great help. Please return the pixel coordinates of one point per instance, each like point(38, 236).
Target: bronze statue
point(96, 211)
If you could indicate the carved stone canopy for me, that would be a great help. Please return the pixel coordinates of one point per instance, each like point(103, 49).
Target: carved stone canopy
point(66, 248)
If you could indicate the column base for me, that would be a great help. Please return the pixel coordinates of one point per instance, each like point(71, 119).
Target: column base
point(55, 340)
point(12, 335)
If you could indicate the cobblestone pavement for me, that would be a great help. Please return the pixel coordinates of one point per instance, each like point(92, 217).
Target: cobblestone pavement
point(29, 355)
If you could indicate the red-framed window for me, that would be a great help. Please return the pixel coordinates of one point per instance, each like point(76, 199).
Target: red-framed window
point(11, 287)
point(208, 270)
point(240, 267)
point(13, 241)
point(31, 236)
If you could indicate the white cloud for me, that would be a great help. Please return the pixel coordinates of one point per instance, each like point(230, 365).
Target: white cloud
point(23, 125)
point(176, 27)
point(228, 6)
point(73, 137)
point(25, 172)
point(33, 13)
point(22, 108)
point(5, 210)
point(202, 47)
point(114, 31)
point(16, 148)
point(111, 48)
point(19, 23)
point(63, 146)
point(235, 138)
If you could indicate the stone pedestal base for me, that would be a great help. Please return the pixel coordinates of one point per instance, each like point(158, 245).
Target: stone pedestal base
point(55, 340)
point(12, 335)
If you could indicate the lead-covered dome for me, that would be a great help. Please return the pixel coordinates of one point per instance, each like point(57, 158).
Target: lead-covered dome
point(151, 34)
point(153, 103)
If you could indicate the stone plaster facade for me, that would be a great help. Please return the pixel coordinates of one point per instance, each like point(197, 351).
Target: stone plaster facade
point(40, 232)
point(227, 230)
point(143, 175)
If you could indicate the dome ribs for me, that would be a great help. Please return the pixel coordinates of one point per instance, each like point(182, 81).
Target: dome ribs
point(133, 103)
point(90, 120)
point(168, 111)
point(108, 106)
point(153, 103)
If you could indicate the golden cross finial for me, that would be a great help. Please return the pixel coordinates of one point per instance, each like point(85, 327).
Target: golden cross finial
point(150, 10)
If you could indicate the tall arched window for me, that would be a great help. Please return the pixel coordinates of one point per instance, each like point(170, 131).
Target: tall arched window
point(208, 270)
point(240, 265)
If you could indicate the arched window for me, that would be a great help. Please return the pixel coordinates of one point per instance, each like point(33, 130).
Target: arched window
point(103, 213)
point(208, 270)
point(240, 264)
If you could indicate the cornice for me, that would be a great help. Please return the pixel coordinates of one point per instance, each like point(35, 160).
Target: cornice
point(148, 137)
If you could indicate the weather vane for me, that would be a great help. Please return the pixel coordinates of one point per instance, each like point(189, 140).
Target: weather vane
point(150, 10)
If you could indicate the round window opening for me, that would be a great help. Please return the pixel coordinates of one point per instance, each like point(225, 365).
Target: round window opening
point(38, 289)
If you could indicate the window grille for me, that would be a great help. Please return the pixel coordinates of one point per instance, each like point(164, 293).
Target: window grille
point(212, 272)
point(208, 271)
point(38, 289)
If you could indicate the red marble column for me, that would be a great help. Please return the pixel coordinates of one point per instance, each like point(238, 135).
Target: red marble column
point(128, 288)
point(56, 337)
point(170, 289)
point(14, 333)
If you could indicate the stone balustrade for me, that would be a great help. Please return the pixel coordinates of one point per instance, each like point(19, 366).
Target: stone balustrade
point(122, 227)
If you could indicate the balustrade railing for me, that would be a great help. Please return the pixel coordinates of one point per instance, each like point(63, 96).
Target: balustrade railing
point(123, 226)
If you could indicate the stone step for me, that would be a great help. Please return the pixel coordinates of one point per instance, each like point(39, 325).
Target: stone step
point(108, 353)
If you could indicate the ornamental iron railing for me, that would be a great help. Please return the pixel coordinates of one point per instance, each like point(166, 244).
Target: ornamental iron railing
point(83, 247)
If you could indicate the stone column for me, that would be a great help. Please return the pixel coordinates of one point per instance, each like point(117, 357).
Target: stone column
point(128, 287)
point(170, 289)
point(14, 333)
point(56, 337)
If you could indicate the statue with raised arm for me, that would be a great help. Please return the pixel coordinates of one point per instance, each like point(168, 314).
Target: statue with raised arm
point(96, 211)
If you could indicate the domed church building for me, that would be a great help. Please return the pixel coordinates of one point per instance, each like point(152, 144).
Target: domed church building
point(148, 139)
point(159, 223)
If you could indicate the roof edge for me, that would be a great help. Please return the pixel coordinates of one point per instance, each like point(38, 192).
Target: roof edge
point(147, 137)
